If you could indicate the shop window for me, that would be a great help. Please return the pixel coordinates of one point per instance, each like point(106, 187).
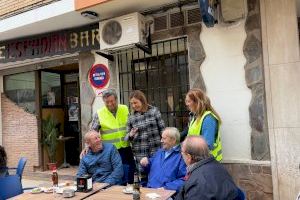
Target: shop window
point(51, 89)
point(20, 88)
point(162, 76)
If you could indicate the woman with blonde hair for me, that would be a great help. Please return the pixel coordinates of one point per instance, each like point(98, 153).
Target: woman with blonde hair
point(204, 121)
point(144, 127)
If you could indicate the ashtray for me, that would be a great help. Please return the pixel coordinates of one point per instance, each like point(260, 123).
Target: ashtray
point(128, 190)
point(68, 193)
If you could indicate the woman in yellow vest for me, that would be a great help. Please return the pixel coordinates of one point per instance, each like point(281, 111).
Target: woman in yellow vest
point(204, 121)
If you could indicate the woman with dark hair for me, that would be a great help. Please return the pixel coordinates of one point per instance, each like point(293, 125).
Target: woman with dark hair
point(204, 121)
point(3, 161)
point(144, 127)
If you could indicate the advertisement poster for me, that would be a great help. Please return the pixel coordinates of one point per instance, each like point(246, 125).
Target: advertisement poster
point(73, 108)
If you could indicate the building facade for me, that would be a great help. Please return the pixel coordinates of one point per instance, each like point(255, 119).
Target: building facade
point(247, 67)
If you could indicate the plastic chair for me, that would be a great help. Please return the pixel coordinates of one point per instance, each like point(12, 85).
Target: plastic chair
point(19, 171)
point(10, 186)
point(241, 195)
point(20, 168)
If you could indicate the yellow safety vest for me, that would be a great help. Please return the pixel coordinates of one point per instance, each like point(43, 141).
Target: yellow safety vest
point(113, 129)
point(195, 128)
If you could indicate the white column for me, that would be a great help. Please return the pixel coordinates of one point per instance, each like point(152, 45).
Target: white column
point(282, 74)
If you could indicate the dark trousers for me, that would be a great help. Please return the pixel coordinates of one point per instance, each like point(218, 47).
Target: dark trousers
point(127, 159)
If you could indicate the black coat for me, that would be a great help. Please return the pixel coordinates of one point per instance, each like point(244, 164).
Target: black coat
point(208, 180)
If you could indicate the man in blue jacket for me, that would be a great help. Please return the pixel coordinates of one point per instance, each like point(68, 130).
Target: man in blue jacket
point(166, 166)
point(102, 161)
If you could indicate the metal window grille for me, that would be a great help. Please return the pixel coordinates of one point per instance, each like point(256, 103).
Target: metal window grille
point(162, 76)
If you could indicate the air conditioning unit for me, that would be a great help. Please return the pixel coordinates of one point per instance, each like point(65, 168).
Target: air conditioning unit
point(123, 31)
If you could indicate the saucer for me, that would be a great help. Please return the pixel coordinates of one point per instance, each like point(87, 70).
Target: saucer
point(36, 191)
point(128, 190)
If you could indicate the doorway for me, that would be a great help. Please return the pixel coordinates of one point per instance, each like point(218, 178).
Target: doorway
point(60, 99)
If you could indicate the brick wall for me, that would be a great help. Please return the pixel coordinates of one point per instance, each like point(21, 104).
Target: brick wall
point(20, 134)
point(13, 7)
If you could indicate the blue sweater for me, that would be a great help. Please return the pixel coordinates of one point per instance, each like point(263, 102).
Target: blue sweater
point(166, 172)
point(105, 166)
point(208, 131)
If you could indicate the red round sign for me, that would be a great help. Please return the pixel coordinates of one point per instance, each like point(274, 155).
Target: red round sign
point(99, 76)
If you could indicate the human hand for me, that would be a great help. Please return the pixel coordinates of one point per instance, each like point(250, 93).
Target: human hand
point(144, 161)
point(133, 131)
point(84, 152)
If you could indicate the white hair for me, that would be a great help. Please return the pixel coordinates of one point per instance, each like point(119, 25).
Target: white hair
point(173, 133)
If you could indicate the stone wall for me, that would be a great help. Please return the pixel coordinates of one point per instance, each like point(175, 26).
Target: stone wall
point(253, 73)
point(254, 179)
point(87, 95)
point(255, 81)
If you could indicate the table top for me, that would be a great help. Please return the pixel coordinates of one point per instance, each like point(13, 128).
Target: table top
point(46, 196)
point(63, 138)
point(116, 192)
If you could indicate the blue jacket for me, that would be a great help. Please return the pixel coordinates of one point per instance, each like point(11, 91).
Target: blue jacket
point(105, 166)
point(166, 172)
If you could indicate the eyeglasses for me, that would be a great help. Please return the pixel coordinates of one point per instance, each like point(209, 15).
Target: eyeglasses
point(183, 152)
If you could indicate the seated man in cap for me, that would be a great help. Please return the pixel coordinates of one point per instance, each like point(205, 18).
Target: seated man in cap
point(102, 161)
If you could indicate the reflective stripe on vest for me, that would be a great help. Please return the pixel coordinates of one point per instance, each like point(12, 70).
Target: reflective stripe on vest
point(113, 129)
point(195, 127)
point(115, 140)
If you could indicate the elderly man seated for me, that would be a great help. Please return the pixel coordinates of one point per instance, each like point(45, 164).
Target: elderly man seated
point(102, 161)
point(166, 167)
point(206, 178)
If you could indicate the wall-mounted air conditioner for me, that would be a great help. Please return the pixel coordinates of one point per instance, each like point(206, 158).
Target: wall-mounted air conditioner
point(123, 31)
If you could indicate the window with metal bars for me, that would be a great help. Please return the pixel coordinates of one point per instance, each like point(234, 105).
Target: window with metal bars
point(162, 76)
